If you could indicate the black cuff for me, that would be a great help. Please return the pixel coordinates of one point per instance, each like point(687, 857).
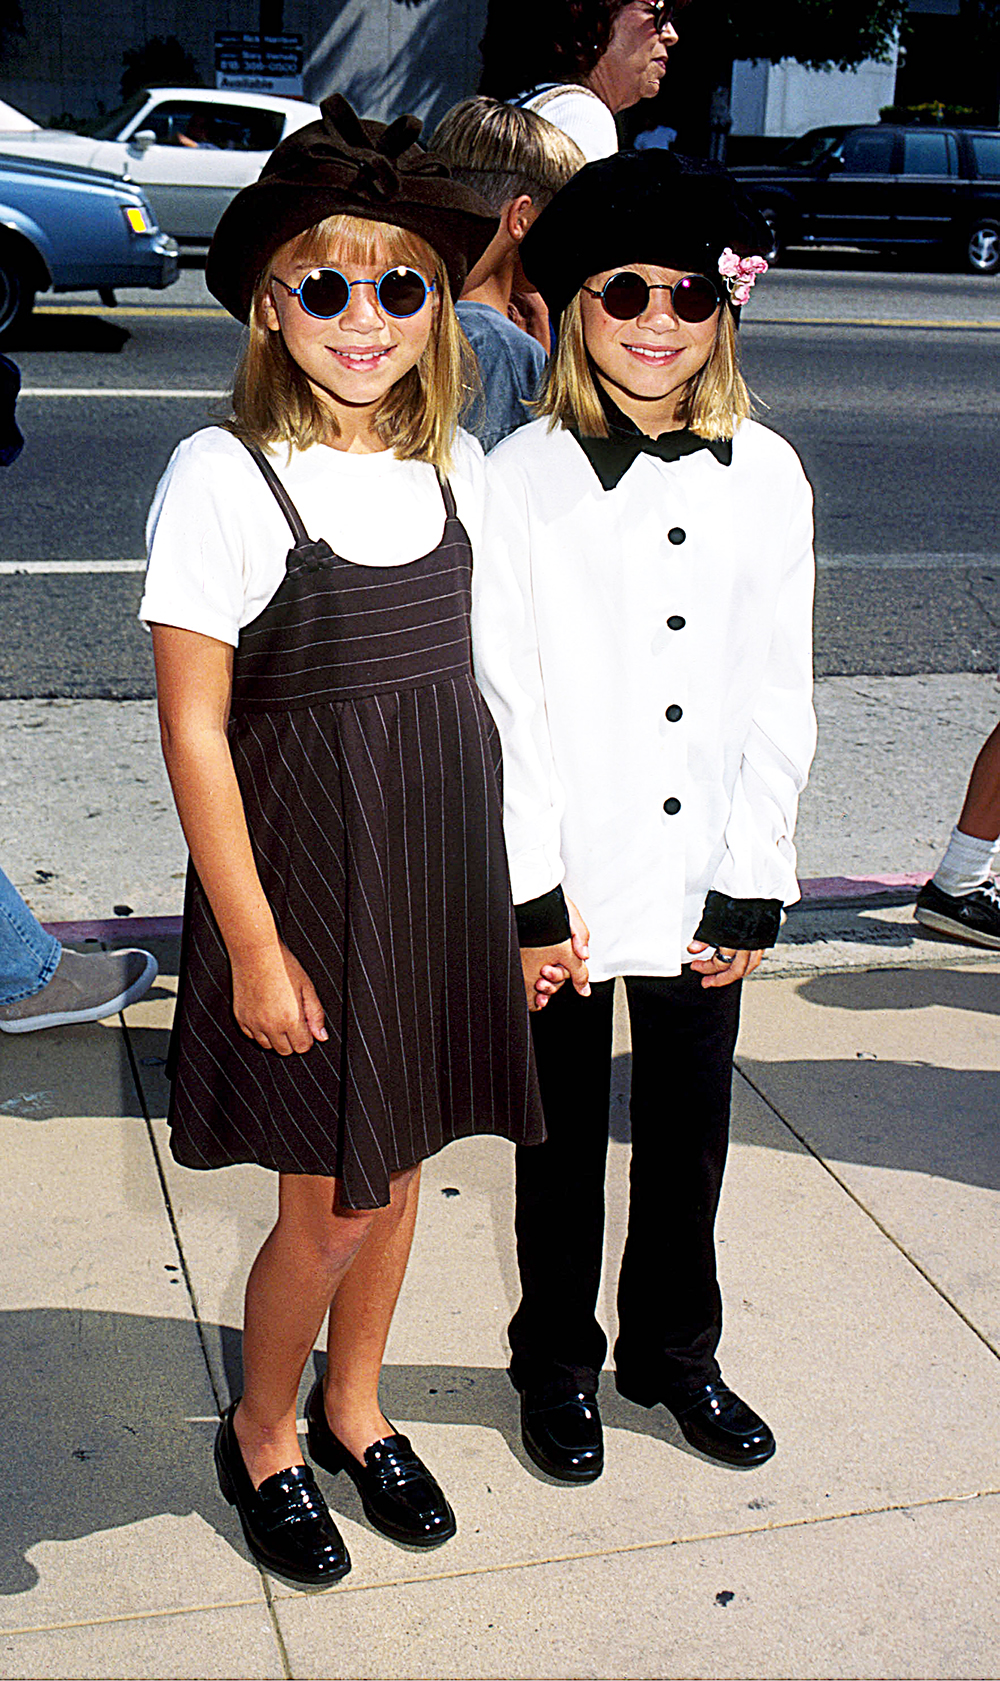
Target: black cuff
point(543, 921)
point(743, 924)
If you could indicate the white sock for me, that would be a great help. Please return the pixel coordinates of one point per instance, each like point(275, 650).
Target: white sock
point(965, 865)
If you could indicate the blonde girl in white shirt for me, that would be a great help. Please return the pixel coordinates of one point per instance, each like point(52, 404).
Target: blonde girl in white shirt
point(648, 573)
point(351, 994)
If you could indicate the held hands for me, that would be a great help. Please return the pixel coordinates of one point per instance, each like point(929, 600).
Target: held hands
point(723, 967)
point(546, 968)
point(275, 1002)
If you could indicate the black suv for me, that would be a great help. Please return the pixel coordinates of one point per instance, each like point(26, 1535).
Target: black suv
point(885, 188)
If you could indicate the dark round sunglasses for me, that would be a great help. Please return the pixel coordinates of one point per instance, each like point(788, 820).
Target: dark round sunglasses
point(325, 292)
point(626, 295)
point(662, 12)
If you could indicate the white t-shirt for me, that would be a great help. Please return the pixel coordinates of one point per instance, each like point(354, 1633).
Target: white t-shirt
point(217, 539)
point(579, 112)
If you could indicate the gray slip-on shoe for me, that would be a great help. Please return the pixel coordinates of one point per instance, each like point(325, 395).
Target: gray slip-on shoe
point(87, 986)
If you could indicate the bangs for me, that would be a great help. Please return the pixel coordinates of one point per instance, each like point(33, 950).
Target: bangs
point(354, 239)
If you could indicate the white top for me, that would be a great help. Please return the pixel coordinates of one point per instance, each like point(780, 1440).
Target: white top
point(574, 592)
point(217, 539)
point(579, 112)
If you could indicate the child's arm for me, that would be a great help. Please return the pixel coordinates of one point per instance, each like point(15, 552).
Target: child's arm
point(756, 875)
point(274, 1001)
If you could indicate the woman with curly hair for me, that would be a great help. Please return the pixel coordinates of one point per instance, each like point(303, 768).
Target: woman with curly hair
point(578, 62)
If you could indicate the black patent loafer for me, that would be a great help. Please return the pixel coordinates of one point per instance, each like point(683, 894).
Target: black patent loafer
point(286, 1522)
point(564, 1438)
point(716, 1422)
point(400, 1497)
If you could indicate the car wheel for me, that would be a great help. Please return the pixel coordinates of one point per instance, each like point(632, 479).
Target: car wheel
point(17, 297)
point(776, 249)
point(982, 252)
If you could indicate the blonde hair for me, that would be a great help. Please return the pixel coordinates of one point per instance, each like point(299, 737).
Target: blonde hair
point(273, 401)
point(502, 152)
point(714, 403)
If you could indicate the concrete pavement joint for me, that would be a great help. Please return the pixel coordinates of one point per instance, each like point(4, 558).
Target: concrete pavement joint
point(658, 1546)
point(876, 1222)
point(169, 1208)
point(276, 1629)
point(396, 1582)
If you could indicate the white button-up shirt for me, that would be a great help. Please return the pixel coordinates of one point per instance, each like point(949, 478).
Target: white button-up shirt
point(646, 652)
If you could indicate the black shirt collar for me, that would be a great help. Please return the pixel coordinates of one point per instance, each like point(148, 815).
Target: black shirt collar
point(611, 457)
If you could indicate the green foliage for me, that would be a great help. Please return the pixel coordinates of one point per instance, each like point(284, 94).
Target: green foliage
point(161, 62)
point(933, 113)
point(819, 33)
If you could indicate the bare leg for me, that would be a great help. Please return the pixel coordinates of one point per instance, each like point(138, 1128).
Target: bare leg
point(291, 1283)
point(360, 1317)
point(981, 812)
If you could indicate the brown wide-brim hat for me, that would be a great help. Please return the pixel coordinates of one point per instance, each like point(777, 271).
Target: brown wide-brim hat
point(343, 166)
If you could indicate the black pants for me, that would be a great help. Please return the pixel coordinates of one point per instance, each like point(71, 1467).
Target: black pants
point(669, 1306)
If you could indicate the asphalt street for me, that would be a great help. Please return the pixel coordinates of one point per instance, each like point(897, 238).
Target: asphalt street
point(885, 383)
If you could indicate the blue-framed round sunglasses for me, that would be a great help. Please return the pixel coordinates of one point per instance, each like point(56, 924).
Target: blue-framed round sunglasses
point(325, 292)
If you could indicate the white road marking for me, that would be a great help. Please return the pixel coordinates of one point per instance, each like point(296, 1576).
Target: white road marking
point(115, 391)
point(10, 568)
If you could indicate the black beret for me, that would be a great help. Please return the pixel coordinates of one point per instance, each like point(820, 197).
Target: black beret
point(343, 166)
point(639, 207)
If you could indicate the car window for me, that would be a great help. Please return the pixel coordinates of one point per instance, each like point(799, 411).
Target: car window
point(986, 151)
point(926, 152)
point(221, 128)
point(809, 148)
point(867, 152)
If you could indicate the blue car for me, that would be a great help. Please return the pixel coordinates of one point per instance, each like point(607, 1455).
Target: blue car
point(67, 229)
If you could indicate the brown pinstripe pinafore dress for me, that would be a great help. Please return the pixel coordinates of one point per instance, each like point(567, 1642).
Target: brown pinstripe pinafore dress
point(369, 767)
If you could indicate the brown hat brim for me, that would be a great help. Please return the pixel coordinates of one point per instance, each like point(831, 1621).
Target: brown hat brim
point(343, 166)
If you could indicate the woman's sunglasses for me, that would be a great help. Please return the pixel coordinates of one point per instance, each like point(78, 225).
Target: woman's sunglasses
point(325, 292)
point(626, 295)
point(662, 13)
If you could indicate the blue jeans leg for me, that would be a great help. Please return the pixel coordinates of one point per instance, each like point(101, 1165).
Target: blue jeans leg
point(28, 956)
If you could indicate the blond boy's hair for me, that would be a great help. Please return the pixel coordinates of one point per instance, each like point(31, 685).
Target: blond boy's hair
point(273, 401)
point(715, 402)
point(502, 152)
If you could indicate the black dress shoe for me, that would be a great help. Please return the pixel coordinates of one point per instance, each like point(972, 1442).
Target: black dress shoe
point(399, 1495)
point(286, 1521)
point(564, 1438)
point(716, 1422)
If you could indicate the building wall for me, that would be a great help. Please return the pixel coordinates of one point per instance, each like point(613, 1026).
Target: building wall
point(787, 99)
point(386, 55)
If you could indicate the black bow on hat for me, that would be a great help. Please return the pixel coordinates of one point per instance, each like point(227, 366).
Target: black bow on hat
point(342, 165)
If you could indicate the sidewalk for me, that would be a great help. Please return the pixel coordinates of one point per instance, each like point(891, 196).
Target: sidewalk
point(858, 1245)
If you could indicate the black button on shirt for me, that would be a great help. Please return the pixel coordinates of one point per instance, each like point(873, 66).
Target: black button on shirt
point(674, 714)
point(675, 622)
point(676, 534)
point(671, 807)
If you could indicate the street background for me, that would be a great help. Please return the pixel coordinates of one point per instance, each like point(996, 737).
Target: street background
point(857, 1235)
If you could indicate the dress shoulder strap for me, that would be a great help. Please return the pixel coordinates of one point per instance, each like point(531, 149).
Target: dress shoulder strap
point(281, 496)
point(448, 496)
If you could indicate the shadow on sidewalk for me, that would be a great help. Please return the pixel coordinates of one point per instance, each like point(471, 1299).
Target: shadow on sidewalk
point(100, 1432)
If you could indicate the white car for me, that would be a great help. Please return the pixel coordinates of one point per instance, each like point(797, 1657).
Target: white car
point(190, 149)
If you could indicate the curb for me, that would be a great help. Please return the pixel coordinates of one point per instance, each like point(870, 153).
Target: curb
point(819, 893)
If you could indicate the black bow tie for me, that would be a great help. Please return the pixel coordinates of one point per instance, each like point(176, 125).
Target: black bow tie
point(612, 457)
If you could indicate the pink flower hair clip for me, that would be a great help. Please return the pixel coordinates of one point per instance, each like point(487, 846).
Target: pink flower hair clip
point(739, 273)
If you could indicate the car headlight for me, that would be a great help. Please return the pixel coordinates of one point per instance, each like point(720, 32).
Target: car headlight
point(138, 218)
